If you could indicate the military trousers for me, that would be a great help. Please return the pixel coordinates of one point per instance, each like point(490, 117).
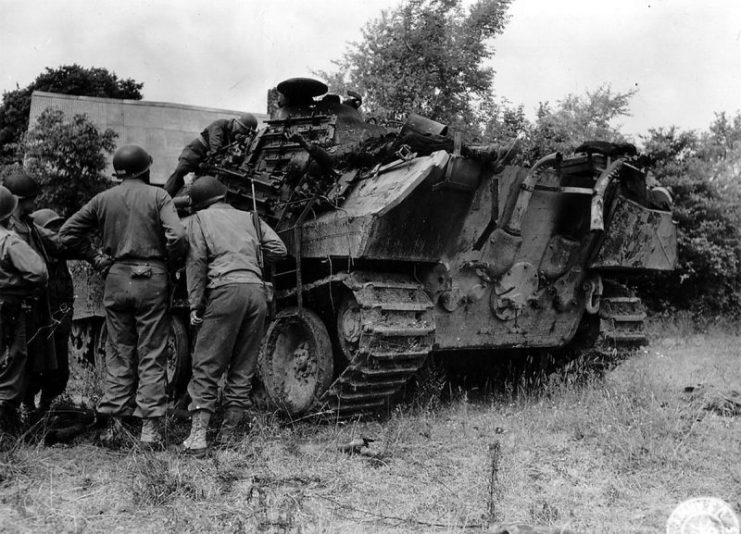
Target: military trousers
point(138, 326)
point(188, 161)
point(52, 383)
point(14, 363)
point(228, 342)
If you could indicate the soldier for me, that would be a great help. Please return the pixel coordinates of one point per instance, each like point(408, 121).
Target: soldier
point(61, 300)
point(214, 137)
point(141, 232)
point(227, 298)
point(22, 273)
point(40, 324)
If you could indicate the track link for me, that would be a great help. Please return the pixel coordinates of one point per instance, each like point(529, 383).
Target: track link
point(622, 325)
point(396, 336)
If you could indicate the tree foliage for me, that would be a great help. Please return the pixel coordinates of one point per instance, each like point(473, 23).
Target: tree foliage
point(67, 79)
point(703, 171)
point(426, 57)
point(560, 127)
point(68, 158)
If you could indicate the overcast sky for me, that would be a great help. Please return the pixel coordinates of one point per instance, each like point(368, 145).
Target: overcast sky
point(683, 56)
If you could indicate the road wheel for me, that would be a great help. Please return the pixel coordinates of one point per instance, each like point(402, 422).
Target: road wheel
point(101, 339)
point(178, 358)
point(81, 342)
point(296, 362)
point(349, 330)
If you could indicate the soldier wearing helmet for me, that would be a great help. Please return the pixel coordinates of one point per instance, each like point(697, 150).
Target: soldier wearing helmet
point(22, 274)
point(61, 300)
point(214, 137)
point(40, 324)
point(227, 298)
point(141, 233)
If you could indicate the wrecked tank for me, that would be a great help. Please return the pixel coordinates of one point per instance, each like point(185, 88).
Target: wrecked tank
point(406, 243)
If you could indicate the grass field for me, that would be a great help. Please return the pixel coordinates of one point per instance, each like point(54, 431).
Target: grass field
point(597, 454)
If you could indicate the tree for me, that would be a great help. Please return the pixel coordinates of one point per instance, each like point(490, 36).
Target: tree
point(573, 120)
point(426, 57)
point(68, 158)
point(67, 79)
point(703, 171)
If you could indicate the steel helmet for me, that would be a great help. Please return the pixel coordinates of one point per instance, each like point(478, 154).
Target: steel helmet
point(131, 161)
point(205, 191)
point(22, 184)
point(247, 121)
point(661, 198)
point(46, 217)
point(8, 202)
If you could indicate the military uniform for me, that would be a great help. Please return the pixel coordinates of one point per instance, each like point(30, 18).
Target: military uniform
point(40, 325)
point(22, 274)
point(61, 294)
point(141, 231)
point(225, 286)
point(218, 134)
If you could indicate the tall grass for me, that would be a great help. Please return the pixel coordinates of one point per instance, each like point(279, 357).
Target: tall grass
point(610, 452)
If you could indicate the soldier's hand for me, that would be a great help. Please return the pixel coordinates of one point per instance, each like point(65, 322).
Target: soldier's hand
point(102, 263)
point(195, 318)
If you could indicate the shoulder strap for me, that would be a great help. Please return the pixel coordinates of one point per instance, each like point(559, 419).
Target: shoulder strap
point(258, 233)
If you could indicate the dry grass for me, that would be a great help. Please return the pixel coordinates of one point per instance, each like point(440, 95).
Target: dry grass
point(612, 454)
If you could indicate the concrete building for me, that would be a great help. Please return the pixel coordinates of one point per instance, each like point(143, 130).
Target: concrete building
point(160, 127)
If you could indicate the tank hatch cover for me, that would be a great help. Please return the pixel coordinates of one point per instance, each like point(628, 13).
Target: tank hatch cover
point(302, 87)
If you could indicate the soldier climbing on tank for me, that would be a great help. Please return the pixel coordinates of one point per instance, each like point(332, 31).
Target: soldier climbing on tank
point(228, 300)
point(22, 275)
point(213, 138)
point(141, 232)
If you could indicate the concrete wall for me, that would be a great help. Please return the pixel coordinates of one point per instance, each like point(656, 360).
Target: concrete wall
point(160, 127)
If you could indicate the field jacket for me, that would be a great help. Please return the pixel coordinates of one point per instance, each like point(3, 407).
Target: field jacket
point(137, 221)
point(22, 270)
point(224, 249)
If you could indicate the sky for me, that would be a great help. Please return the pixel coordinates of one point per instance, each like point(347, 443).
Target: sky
point(682, 56)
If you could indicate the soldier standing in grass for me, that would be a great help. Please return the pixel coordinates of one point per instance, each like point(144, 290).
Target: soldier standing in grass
point(227, 299)
point(141, 232)
point(61, 300)
point(40, 325)
point(22, 274)
point(214, 137)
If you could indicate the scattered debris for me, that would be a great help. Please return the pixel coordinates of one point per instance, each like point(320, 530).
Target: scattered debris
point(527, 529)
point(360, 446)
point(725, 403)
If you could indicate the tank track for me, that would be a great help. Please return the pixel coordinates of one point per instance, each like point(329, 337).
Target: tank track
point(397, 334)
point(622, 326)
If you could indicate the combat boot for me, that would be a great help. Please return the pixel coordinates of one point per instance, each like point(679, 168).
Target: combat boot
point(151, 434)
point(114, 435)
point(10, 421)
point(31, 414)
point(195, 444)
point(228, 432)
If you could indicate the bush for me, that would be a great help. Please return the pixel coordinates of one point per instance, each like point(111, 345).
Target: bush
point(68, 158)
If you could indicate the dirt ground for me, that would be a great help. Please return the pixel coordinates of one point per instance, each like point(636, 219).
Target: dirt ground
point(594, 454)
